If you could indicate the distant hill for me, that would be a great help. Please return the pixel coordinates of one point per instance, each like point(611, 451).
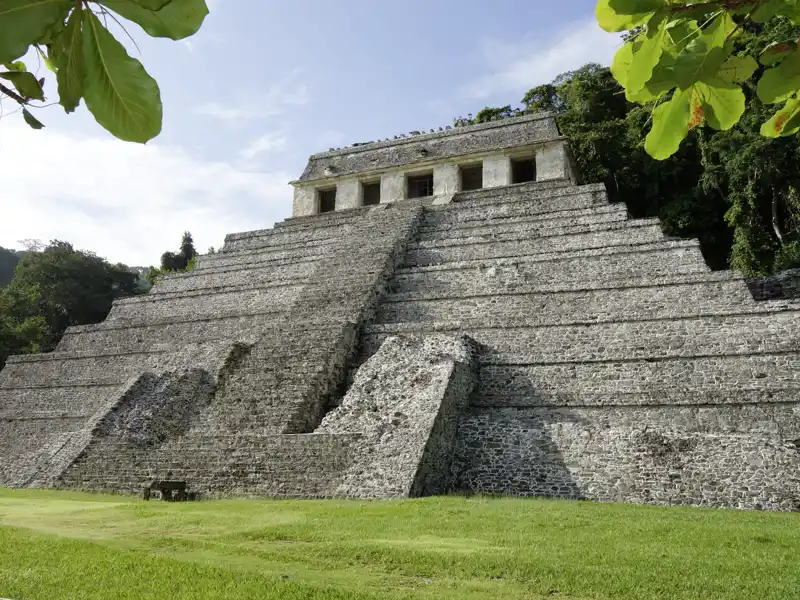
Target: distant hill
point(8, 262)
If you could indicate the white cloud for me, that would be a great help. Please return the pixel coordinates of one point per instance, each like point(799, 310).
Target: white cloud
point(519, 67)
point(126, 202)
point(284, 94)
point(269, 142)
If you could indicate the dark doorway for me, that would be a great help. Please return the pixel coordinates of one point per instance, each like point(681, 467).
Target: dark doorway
point(327, 200)
point(471, 178)
point(372, 194)
point(523, 170)
point(420, 186)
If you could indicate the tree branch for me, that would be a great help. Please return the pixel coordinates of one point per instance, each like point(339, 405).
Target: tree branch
point(12, 94)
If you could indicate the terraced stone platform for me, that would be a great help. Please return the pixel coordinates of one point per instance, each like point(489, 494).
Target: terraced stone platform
point(568, 351)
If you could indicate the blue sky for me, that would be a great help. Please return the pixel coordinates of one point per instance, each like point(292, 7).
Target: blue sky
point(258, 89)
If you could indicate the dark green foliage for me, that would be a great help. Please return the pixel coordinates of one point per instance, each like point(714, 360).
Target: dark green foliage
point(8, 262)
point(54, 289)
point(176, 261)
point(172, 261)
point(735, 190)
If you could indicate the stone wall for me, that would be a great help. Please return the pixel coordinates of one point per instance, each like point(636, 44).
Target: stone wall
point(405, 401)
point(437, 146)
point(734, 456)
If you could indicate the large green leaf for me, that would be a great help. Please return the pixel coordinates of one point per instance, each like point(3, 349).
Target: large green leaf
point(71, 70)
point(766, 10)
point(611, 20)
point(177, 20)
point(737, 68)
point(26, 83)
point(118, 91)
point(705, 54)
point(779, 83)
point(785, 122)
point(23, 22)
point(670, 126)
point(776, 52)
point(646, 55)
point(621, 64)
point(723, 102)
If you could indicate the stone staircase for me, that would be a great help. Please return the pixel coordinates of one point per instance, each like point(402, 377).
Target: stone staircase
point(593, 330)
point(296, 295)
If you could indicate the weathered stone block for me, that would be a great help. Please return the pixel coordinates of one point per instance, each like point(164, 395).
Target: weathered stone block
point(405, 401)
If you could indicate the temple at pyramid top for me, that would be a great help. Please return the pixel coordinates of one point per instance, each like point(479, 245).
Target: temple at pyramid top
point(434, 166)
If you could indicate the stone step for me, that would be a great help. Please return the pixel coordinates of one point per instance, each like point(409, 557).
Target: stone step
point(657, 338)
point(537, 224)
point(338, 217)
point(513, 229)
point(281, 465)
point(455, 215)
point(551, 302)
point(204, 303)
point(285, 242)
point(497, 274)
point(528, 188)
point(266, 256)
point(62, 369)
point(607, 383)
point(77, 402)
point(116, 336)
point(676, 397)
point(553, 232)
point(289, 235)
point(21, 439)
point(631, 233)
point(383, 212)
point(232, 276)
point(252, 260)
point(533, 192)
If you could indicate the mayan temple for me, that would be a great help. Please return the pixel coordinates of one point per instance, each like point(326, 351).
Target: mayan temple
point(444, 312)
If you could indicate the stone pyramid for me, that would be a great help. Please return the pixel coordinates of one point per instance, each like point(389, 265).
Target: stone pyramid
point(523, 336)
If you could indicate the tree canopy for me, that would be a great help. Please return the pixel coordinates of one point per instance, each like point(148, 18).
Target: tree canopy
point(687, 60)
point(89, 63)
point(53, 289)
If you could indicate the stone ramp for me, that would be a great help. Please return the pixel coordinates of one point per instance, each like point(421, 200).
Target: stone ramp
point(406, 402)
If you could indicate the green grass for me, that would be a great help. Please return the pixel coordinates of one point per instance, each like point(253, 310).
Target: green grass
point(69, 545)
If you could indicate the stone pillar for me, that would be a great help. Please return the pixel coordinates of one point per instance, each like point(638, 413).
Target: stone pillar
point(446, 180)
point(348, 194)
point(496, 171)
point(393, 187)
point(304, 202)
point(552, 162)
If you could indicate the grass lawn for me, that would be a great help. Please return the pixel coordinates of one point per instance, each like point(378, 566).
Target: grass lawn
point(56, 545)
